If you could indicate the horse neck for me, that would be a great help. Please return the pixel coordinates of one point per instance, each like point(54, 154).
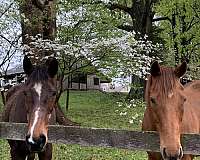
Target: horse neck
point(17, 108)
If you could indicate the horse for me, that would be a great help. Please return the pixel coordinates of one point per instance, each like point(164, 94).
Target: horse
point(171, 109)
point(33, 103)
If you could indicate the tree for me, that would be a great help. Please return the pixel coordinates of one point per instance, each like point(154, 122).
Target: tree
point(89, 31)
point(142, 17)
point(182, 39)
point(91, 21)
point(37, 18)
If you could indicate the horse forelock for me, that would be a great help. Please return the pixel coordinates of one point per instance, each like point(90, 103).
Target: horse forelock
point(164, 84)
point(38, 75)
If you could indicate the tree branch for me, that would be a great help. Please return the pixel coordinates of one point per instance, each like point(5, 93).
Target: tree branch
point(5, 38)
point(161, 19)
point(193, 48)
point(6, 10)
point(96, 2)
point(127, 28)
point(191, 24)
point(196, 12)
point(8, 55)
point(81, 21)
point(115, 6)
point(111, 6)
point(86, 65)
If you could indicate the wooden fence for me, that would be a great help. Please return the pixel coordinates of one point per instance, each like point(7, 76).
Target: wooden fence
point(134, 140)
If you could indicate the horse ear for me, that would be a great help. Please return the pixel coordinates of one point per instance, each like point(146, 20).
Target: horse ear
point(27, 65)
point(52, 66)
point(181, 69)
point(155, 69)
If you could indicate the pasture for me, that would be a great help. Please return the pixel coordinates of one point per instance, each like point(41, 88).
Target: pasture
point(95, 109)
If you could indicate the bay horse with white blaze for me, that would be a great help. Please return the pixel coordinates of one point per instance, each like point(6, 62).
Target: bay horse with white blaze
point(33, 103)
point(172, 109)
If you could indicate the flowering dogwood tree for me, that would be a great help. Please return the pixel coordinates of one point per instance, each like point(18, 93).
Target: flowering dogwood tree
point(115, 52)
point(85, 35)
point(119, 56)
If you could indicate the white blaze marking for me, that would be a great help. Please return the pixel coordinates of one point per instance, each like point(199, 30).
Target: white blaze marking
point(26, 158)
point(33, 126)
point(38, 88)
point(170, 95)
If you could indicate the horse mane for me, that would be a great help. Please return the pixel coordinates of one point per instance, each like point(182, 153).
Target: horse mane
point(11, 98)
point(38, 74)
point(164, 83)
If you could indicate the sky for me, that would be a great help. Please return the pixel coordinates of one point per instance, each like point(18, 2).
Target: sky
point(10, 30)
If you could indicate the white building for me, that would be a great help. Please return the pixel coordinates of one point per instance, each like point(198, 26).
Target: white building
point(117, 85)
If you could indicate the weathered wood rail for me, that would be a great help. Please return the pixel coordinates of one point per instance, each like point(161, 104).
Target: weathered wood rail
point(144, 141)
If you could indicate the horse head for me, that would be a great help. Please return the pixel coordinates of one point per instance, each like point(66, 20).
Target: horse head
point(40, 96)
point(165, 99)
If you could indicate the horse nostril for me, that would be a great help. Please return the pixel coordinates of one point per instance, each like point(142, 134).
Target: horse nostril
point(167, 156)
point(180, 153)
point(163, 153)
point(42, 140)
point(28, 139)
point(36, 144)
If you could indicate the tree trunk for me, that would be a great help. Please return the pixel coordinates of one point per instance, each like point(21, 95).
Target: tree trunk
point(67, 100)
point(142, 18)
point(3, 97)
point(67, 96)
point(39, 18)
point(61, 119)
point(136, 91)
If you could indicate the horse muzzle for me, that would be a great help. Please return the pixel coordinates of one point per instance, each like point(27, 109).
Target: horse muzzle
point(171, 156)
point(36, 144)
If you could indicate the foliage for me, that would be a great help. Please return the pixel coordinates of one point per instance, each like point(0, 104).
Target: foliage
point(181, 32)
point(87, 35)
point(94, 23)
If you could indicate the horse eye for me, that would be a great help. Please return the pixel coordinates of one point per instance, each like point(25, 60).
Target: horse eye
point(50, 110)
point(25, 93)
point(153, 100)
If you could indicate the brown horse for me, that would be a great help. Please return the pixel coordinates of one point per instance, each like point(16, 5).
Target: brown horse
point(171, 110)
point(33, 103)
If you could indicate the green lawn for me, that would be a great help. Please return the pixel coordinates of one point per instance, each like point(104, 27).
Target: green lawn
point(97, 109)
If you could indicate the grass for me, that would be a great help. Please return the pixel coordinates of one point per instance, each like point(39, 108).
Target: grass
point(97, 109)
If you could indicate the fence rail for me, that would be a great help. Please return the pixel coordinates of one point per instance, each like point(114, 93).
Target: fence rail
point(135, 140)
